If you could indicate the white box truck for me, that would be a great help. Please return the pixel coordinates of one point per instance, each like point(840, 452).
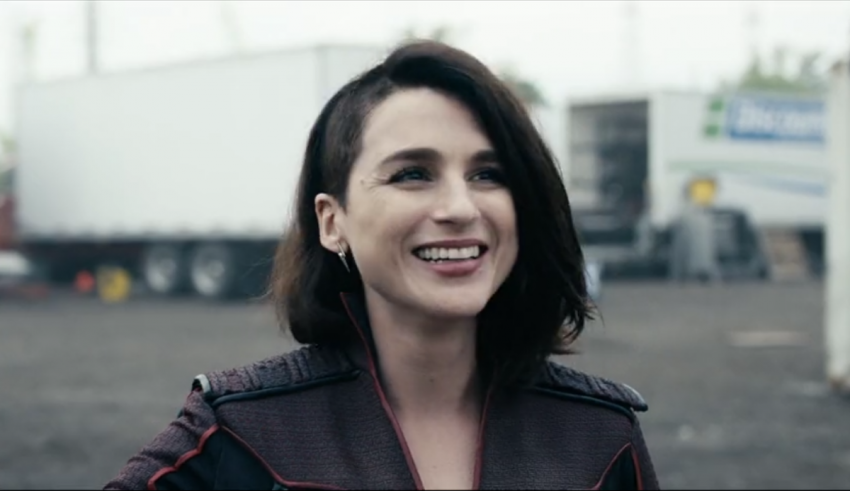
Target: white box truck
point(183, 174)
point(630, 159)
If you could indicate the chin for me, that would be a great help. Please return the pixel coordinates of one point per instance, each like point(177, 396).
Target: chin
point(453, 304)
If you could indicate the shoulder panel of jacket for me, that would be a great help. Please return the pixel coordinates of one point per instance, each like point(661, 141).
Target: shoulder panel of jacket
point(569, 381)
point(299, 369)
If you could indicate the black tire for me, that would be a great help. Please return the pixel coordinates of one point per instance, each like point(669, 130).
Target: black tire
point(213, 270)
point(163, 269)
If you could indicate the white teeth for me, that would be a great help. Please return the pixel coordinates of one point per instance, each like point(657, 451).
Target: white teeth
point(442, 253)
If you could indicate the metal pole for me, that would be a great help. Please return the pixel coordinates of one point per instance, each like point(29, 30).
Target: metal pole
point(753, 24)
point(837, 312)
point(91, 36)
point(230, 25)
point(631, 44)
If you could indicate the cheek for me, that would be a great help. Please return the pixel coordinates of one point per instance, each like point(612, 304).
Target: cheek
point(380, 221)
point(505, 224)
point(503, 216)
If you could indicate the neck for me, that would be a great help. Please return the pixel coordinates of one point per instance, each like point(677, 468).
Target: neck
point(428, 366)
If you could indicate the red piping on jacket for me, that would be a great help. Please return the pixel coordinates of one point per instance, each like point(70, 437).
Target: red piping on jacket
point(629, 447)
point(638, 474)
point(291, 484)
point(479, 451)
point(183, 458)
point(408, 457)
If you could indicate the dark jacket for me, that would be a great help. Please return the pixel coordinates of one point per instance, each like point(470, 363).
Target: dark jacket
point(317, 418)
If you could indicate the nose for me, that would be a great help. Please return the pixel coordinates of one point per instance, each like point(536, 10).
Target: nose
point(456, 203)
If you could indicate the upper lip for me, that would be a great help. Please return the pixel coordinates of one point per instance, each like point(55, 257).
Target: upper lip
point(453, 244)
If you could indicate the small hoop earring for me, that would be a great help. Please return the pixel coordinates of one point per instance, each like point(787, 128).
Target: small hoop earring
point(342, 257)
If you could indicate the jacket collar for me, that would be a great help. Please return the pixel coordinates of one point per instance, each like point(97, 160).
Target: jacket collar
point(523, 441)
point(363, 352)
point(366, 358)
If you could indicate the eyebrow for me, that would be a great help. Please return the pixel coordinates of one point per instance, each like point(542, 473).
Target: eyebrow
point(426, 154)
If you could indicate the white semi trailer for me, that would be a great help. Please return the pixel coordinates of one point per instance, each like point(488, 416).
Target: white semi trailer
point(184, 174)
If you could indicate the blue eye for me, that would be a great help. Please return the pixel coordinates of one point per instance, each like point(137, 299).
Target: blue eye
point(492, 174)
point(409, 174)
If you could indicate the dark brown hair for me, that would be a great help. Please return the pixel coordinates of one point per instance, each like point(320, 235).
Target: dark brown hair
point(543, 304)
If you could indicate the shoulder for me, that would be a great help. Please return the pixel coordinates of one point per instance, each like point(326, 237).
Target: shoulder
point(297, 370)
point(575, 385)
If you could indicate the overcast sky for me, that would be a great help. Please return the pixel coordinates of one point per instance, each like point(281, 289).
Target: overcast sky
point(568, 47)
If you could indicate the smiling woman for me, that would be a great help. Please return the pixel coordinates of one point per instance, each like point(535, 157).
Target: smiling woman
point(432, 267)
point(426, 185)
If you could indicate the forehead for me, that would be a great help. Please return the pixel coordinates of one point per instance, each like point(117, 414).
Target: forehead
point(422, 118)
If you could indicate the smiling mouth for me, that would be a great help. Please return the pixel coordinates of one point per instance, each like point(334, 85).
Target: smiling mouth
point(449, 254)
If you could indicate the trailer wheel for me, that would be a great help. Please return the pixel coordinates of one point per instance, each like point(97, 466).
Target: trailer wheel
point(212, 270)
point(164, 269)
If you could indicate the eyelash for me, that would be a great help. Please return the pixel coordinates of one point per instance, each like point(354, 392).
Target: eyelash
point(404, 175)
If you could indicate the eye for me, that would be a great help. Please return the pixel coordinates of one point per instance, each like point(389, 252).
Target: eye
point(410, 174)
point(493, 174)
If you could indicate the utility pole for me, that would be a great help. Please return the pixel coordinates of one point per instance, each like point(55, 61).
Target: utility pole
point(91, 36)
point(753, 22)
point(26, 39)
point(631, 44)
point(230, 26)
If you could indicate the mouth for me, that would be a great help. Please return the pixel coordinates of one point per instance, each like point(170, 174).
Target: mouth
point(443, 254)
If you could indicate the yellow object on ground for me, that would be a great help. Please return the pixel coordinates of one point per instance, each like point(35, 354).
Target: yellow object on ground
point(113, 284)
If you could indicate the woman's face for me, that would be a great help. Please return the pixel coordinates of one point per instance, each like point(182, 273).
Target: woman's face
point(429, 219)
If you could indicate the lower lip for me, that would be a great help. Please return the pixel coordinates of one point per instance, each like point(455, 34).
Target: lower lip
point(456, 268)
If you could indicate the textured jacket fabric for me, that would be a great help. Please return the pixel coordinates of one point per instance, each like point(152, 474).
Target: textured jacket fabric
point(317, 418)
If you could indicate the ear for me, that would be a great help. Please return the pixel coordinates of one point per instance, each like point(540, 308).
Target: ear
point(331, 219)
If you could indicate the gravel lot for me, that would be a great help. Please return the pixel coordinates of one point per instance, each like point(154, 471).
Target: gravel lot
point(733, 375)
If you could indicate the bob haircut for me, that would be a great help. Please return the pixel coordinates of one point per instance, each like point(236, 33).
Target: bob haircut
point(543, 304)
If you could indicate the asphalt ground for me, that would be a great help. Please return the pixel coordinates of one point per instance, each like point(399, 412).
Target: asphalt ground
point(733, 375)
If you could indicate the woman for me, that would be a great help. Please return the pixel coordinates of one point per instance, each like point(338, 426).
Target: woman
point(431, 268)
